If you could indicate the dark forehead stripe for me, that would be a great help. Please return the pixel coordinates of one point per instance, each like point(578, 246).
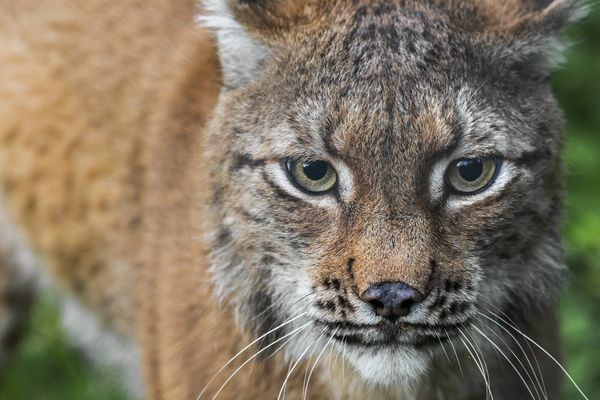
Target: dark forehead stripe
point(326, 132)
point(387, 56)
point(385, 32)
point(244, 160)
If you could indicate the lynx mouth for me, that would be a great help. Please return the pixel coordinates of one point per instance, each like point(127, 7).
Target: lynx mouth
point(388, 334)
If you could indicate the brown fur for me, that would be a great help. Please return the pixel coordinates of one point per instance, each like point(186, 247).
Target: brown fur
point(72, 140)
point(107, 169)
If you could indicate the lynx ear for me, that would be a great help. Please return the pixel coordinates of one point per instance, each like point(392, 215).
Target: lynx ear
point(242, 55)
point(248, 31)
point(533, 44)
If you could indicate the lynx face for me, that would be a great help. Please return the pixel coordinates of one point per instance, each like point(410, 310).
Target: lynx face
point(384, 173)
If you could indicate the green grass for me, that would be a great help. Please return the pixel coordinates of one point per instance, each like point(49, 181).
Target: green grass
point(46, 368)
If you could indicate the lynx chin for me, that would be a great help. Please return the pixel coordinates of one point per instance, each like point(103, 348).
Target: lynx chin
point(260, 199)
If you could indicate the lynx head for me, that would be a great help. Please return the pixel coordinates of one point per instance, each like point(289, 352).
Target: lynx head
point(385, 171)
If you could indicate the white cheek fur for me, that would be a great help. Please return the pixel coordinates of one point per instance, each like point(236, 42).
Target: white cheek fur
point(401, 366)
point(345, 181)
point(436, 180)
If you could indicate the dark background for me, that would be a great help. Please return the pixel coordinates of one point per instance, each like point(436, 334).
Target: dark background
point(47, 368)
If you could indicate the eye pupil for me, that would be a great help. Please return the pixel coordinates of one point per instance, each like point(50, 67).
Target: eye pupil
point(471, 169)
point(315, 170)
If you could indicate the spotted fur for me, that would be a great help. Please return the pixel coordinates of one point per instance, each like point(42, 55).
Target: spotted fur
point(214, 247)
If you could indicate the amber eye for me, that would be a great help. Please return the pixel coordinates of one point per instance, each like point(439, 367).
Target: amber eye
point(472, 175)
point(314, 177)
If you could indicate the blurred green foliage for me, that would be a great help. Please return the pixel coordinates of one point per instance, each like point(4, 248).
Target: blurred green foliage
point(578, 89)
point(47, 368)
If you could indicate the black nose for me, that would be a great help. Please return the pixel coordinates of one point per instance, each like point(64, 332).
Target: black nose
point(391, 299)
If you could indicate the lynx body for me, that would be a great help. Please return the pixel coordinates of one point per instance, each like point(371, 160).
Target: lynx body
point(156, 169)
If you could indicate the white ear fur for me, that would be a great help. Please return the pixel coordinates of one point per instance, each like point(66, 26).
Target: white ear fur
point(242, 56)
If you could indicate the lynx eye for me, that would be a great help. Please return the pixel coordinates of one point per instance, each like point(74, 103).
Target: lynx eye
point(472, 175)
point(314, 177)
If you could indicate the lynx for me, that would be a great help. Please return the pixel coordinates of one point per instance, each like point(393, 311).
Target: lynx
point(323, 199)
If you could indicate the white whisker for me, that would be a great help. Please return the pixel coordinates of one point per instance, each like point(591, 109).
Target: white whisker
point(295, 331)
point(485, 367)
point(443, 348)
point(291, 370)
point(488, 389)
point(246, 348)
point(455, 354)
point(344, 347)
point(275, 306)
point(278, 349)
point(536, 385)
point(305, 390)
point(304, 382)
point(539, 370)
point(507, 359)
point(549, 355)
point(329, 360)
